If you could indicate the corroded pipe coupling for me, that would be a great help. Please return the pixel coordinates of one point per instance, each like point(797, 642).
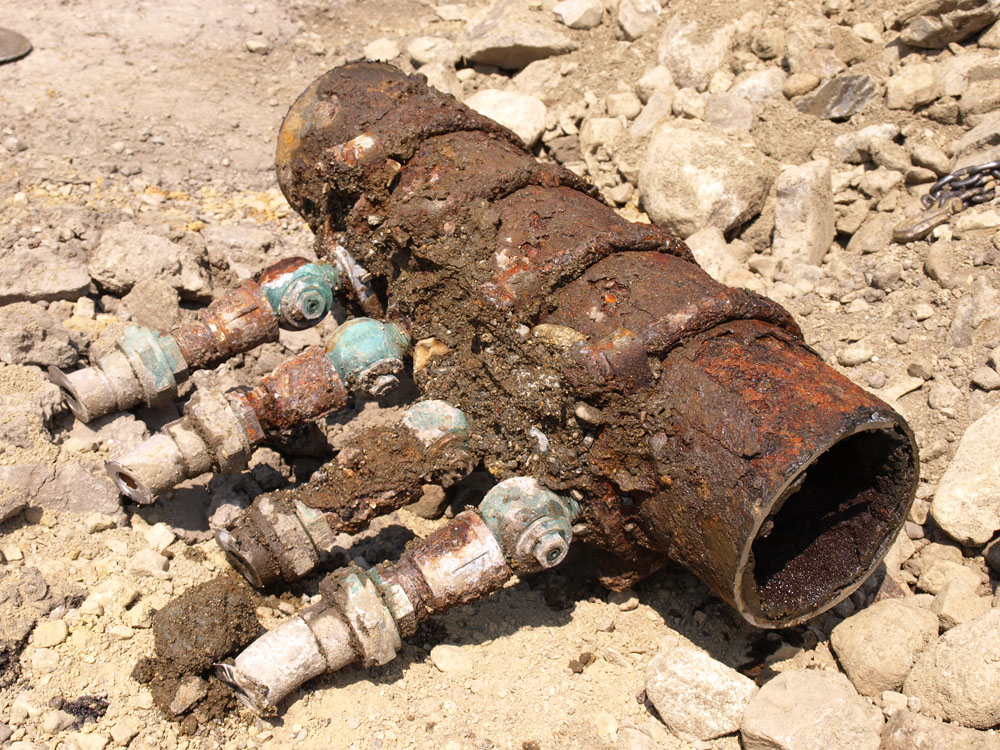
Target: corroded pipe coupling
point(285, 535)
point(364, 614)
point(689, 419)
point(219, 430)
point(147, 366)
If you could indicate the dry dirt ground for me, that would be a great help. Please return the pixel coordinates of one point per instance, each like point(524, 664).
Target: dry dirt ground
point(158, 113)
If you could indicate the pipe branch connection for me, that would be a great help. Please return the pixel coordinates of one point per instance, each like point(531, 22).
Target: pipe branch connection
point(285, 535)
point(147, 366)
point(219, 430)
point(364, 615)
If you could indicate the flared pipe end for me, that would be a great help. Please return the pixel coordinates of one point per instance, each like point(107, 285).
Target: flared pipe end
point(825, 531)
point(129, 484)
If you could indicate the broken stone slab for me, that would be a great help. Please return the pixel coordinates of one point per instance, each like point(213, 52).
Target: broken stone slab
point(128, 253)
point(934, 24)
point(29, 335)
point(696, 696)
point(967, 503)
point(153, 303)
point(694, 175)
point(78, 489)
point(693, 52)
point(45, 272)
point(840, 98)
point(810, 710)
point(909, 731)
point(511, 40)
point(878, 646)
point(804, 218)
point(956, 678)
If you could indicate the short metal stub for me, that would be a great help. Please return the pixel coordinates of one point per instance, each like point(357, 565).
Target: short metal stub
point(13, 46)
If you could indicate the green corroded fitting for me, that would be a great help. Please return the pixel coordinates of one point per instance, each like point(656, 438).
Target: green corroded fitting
point(302, 298)
point(533, 524)
point(368, 354)
point(433, 421)
point(156, 359)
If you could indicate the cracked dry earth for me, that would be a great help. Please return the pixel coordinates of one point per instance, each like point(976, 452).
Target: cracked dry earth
point(136, 179)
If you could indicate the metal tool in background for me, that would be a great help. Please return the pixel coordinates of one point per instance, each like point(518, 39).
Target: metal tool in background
point(13, 46)
point(953, 193)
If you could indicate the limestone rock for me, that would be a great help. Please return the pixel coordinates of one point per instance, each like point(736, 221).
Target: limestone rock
point(910, 731)
point(509, 39)
point(693, 53)
point(979, 145)
point(579, 14)
point(42, 273)
point(878, 645)
point(804, 220)
point(728, 111)
point(913, 86)
point(79, 489)
point(713, 253)
point(810, 710)
point(29, 335)
point(128, 253)
point(523, 114)
point(695, 176)
point(938, 23)
point(967, 503)
point(955, 678)
point(450, 658)
point(958, 602)
point(696, 696)
point(424, 50)
point(153, 303)
point(759, 85)
point(637, 17)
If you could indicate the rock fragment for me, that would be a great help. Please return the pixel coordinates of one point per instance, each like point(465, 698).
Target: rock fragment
point(911, 731)
point(953, 678)
point(878, 645)
point(509, 40)
point(448, 658)
point(695, 176)
point(810, 710)
point(803, 214)
point(938, 23)
point(913, 86)
point(958, 602)
point(523, 114)
point(42, 273)
point(637, 17)
point(579, 14)
point(967, 503)
point(29, 335)
point(840, 98)
point(696, 696)
point(693, 53)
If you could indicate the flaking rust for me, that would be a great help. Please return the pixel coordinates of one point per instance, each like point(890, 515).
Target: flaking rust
point(723, 441)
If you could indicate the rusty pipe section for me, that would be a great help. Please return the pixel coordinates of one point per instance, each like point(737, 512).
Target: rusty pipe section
point(285, 535)
point(688, 418)
point(219, 430)
point(364, 614)
point(146, 366)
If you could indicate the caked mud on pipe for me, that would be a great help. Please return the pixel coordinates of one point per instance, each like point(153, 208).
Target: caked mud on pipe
point(689, 419)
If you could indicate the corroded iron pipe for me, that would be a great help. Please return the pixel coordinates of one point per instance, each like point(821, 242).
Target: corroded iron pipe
point(688, 418)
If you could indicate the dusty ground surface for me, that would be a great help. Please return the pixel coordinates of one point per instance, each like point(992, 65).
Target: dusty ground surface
point(160, 115)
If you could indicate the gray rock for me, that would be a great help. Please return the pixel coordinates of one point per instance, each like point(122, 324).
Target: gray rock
point(855, 354)
point(878, 645)
point(913, 86)
point(693, 53)
point(657, 109)
point(810, 710)
point(804, 219)
point(79, 489)
point(55, 721)
point(909, 731)
point(939, 574)
point(441, 76)
point(653, 81)
point(623, 104)
point(729, 111)
point(153, 303)
point(855, 147)
point(979, 145)
point(695, 176)
point(891, 155)
point(128, 253)
point(29, 335)
point(955, 678)
point(986, 378)
point(190, 690)
point(930, 156)
point(523, 114)
point(509, 39)
point(840, 98)
point(980, 98)
point(967, 503)
point(696, 696)
point(42, 273)
point(637, 17)
point(939, 265)
point(713, 253)
point(768, 42)
point(938, 23)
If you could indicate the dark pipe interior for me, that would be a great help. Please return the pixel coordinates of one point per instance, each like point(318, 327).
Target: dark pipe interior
point(849, 500)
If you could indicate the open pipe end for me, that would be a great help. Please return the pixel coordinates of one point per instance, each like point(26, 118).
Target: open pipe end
point(230, 544)
point(246, 691)
point(828, 527)
point(128, 484)
point(70, 395)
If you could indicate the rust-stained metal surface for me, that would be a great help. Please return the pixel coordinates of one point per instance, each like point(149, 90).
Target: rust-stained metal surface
point(298, 390)
point(722, 440)
point(234, 323)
